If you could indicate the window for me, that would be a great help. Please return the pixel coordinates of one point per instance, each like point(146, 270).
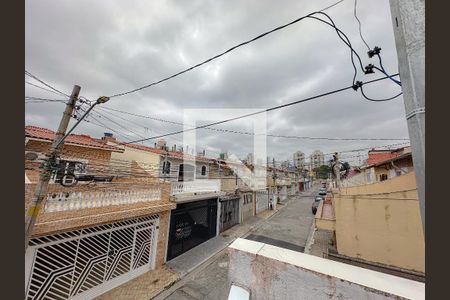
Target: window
point(383, 177)
point(166, 167)
point(203, 170)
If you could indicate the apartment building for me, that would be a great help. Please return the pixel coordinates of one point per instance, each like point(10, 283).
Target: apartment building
point(317, 159)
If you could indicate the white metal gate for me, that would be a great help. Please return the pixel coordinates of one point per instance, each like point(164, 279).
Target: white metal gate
point(262, 201)
point(247, 206)
point(85, 263)
point(283, 193)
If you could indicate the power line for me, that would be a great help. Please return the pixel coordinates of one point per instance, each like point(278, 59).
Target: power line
point(43, 99)
point(101, 124)
point(259, 112)
point(118, 124)
point(42, 88)
point(249, 133)
point(222, 54)
point(359, 22)
point(330, 6)
point(177, 140)
point(35, 100)
point(379, 100)
point(44, 83)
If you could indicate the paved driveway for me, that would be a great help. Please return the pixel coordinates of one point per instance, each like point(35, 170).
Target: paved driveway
point(290, 227)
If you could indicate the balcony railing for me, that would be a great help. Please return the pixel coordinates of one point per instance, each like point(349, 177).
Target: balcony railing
point(196, 186)
point(64, 201)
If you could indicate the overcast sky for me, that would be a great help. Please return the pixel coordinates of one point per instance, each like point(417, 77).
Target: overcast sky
point(108, 47)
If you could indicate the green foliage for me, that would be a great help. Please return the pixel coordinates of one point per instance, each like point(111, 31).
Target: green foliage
point(322, 171)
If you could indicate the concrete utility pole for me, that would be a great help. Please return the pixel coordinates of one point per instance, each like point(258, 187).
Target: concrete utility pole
point(44, 178)
point(336, 170)
point(274, 177)
point(408, 18)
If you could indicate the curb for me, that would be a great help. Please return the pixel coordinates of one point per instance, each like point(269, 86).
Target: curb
point(310, 239)
point(204, 263)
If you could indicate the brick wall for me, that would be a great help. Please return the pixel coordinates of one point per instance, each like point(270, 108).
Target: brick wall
point(77, 151)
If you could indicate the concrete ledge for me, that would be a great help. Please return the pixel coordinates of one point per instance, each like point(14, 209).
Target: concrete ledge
point(273, 272)
point(324, 217)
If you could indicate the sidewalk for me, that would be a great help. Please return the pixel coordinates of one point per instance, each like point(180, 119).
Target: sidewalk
point(158, 282)
point(209, 280)
point(191, 259)
point(154, 282)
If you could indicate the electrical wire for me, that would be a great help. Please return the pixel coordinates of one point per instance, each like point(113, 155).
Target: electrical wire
point(44, 83)
point(381, 69)
point(247, 133)
point(259, 112)
point(103, 165)
point(177, 140)
point(101, 124)
point(342, 35)
point(222, 53)
point(43, 99)
point(118, 124)
point(359, 22)
point(42, 88)
point(379, 100)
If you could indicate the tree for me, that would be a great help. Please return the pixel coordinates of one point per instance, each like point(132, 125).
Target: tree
point(322, 171)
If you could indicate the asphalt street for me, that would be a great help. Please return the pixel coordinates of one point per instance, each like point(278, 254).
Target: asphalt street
point(289, 228)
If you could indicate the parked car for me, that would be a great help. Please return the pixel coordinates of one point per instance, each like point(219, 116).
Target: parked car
point(315, 204)
point(322, 193)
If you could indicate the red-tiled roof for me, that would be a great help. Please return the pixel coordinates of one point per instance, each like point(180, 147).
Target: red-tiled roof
point(376, 156)
point(395, 158)
point(74, 139)
point(379, 157)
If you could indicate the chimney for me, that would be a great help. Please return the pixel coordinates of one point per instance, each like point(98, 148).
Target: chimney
point(108, 137)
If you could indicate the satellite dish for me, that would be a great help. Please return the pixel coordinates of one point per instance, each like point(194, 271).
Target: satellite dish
point(31, 156)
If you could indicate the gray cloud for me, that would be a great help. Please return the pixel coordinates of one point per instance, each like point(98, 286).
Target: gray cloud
point(112, 46)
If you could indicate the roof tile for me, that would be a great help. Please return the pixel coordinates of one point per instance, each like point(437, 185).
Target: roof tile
point(78, 139)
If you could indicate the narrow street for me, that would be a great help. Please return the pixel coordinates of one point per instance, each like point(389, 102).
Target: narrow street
point(289, 228)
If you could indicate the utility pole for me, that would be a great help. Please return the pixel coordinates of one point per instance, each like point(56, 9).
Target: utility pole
point(44, 177)
point(274, 177)
point(408, 18)
point(336, 170)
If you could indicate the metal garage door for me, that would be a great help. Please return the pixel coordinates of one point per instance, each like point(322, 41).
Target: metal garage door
point(247, 206)
point(85, 263)
point(229, 213)
point(262, 201)
point(190, 225)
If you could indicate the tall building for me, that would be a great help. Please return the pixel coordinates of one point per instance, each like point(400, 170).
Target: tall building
point(317, 159)
point(299, 159)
